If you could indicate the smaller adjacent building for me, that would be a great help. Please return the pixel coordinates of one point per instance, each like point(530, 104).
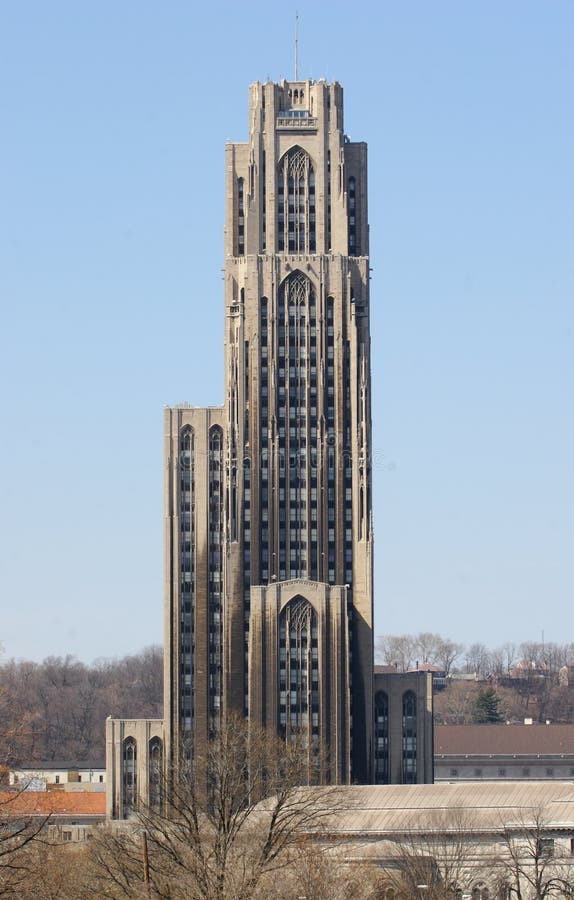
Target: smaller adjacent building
point(135, 762)
point(504, 753)
point(403, 730)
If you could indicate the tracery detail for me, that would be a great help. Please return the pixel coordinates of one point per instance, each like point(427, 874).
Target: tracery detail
point(296, 203)
point(298, 670)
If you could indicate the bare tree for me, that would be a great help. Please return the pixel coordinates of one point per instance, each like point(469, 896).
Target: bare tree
point(447, 652)
point(436, 859)
point(455, 705)
point(531, 863)
point(229, 821)
point(396, 650)
point(426, 648)
point(478, 659)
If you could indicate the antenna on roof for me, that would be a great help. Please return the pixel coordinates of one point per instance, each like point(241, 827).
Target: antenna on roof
point(296, 46)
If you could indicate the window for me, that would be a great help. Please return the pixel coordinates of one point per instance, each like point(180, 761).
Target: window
point(478, 773)
point(216, 570)
point(240, 217)
point(57, 779)
point(550, 772)
point(545, 847)
point(502, 773)
point(381, 738)
point(454, 773)
point(296, 203)
point(409, 738)
point(129, 777)
point(298, 669)
point(351, 205)
point(155, 773)
point(66, 835)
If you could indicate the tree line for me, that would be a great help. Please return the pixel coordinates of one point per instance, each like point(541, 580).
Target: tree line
point(56, 709)
point(502, 684)
point(405, 651)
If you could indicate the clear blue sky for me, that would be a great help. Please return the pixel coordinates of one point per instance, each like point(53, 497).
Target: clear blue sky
point(113, 119)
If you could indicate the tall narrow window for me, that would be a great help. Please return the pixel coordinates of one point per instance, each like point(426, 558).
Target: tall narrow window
point(297, 428)
point(264, 442)
point(129, 777)
point(381, 738)
point(298, 670)
point(409, 738)
point(329, 405)
point(352, 213)
point(240, 217)
point(296, 203)
point(215, 571)
point(155, 763)
point(187, 574)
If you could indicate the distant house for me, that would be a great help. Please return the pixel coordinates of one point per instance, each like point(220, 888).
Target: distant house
point(527, 668)
point(437, 672)
point(50, 775)
point(504, 752)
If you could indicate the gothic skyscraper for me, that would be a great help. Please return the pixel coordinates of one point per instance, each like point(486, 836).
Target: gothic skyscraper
point(268, 524)
point(268, 528)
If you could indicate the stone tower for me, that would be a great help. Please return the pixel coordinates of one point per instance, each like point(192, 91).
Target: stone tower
point(268, 525)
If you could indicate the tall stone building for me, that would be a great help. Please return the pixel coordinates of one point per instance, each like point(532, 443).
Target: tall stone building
point(268, 521)
point(268, 580)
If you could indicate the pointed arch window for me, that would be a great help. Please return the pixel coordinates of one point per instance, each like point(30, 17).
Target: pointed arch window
point(129, 776)
point(298, 669)
point(296, 203)
point(155, 763)
point(296, 399)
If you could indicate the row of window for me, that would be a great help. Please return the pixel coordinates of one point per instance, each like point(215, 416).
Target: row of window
point(549, 772)
point(130, 775)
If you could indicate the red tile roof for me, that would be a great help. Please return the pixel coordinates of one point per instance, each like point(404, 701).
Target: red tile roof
point(55, 803)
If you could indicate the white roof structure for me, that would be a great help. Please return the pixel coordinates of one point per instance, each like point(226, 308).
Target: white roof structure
point(480, 807)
